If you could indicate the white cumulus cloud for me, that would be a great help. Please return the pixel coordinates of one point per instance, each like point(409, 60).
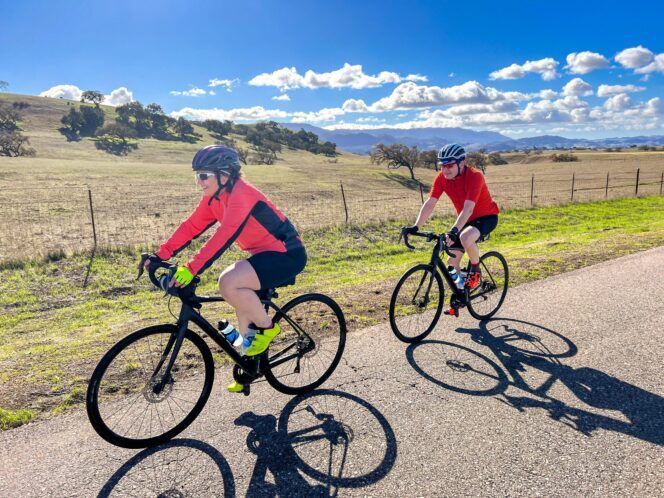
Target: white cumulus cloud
point(410, 96)
point(577, 87)
point(193, 92)
point(119, 96)
point(348, 76)
point(227, 84)
point(585, 62)
point(544, 67)
point(69, 92)
point(283, 97)
point(635, 57)
point(256, 113)
point(657, 65)
point(618, 102)
point(611, 90)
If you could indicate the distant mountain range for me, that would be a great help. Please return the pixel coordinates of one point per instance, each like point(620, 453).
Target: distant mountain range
point(361, 141)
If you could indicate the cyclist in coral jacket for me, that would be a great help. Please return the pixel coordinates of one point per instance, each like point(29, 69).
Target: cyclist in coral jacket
point(477, 213)
point(246, 216)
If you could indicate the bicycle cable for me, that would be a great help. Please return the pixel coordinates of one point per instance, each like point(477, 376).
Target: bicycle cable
point(169, 308)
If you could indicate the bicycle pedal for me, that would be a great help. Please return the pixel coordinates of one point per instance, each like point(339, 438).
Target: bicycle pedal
point(452, 312)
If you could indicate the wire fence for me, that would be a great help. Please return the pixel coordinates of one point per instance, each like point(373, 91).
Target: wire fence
point(77, 218)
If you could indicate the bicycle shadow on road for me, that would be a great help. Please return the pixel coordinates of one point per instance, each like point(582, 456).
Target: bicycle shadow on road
point(529, 362)
point(181, 467)
point(322, 442)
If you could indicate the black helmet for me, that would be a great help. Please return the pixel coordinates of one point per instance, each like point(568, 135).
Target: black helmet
point(217, 158)
point(451, 152)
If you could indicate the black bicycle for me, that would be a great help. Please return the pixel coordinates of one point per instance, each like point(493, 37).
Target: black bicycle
point(418, 298)
point(153, 383)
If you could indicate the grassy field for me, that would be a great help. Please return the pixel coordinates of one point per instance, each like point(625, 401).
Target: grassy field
point(52, 331)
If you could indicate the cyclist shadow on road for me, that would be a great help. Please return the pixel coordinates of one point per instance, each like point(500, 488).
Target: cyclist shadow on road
point(322, 442)
point(181, 467)
point(528, 366)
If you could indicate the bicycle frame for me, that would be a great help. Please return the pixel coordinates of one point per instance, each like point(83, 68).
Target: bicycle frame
point(189, 313)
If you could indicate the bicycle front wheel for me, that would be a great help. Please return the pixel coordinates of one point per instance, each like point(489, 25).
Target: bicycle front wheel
point(488, 297)
point(310, 345)
point(130, 403)
point(416, 303)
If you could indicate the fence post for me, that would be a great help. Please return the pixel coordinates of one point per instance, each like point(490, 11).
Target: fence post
point(94, 236)
point(343, 196)
point(661, 182)
point(606, 193)
point(572, 196)
point(532, 189)
point(636, 192)
point(92, 217)
point(421, 191)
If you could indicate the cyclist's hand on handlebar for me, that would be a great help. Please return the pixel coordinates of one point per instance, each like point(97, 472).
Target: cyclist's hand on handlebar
point(410, 230)
point(181, 278)
point(452, 236)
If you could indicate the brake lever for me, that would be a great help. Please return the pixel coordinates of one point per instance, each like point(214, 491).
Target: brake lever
point(141, 266)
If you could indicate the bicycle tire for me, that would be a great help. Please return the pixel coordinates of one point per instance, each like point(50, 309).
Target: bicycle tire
point(107, 383)
point(423, 324)
point(327, 321)
point(494, 273)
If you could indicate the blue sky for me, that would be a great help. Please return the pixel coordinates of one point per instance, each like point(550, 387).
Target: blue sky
point(523, 68)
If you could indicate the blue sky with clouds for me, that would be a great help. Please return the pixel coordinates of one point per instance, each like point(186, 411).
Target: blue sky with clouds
point(523, 68)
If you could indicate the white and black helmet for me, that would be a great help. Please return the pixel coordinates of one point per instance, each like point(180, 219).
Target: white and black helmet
point(451, 152)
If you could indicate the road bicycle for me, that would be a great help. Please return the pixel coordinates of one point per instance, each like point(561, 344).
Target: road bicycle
point(153, 383)
point(418, 298)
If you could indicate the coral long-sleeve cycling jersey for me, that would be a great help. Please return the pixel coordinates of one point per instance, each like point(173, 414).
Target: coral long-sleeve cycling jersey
point(245, 215)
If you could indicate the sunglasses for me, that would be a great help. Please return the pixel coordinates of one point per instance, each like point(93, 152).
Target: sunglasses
point(204, 176)
point(448, 165)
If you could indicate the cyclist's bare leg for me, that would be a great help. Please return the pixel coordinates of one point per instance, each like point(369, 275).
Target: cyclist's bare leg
point(237, 284)
point(468, 238)
point(456, 260)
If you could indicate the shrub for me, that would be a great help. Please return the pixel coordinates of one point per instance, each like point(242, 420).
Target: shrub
point(477, 160)
point(564, 157)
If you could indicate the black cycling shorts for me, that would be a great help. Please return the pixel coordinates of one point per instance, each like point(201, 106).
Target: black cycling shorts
point(278, 268)
point(485, 224)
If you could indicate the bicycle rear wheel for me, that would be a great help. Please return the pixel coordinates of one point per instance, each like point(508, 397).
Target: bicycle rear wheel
point(488, 297)
point(127, 404)
point(416, 303)
point(310, 345)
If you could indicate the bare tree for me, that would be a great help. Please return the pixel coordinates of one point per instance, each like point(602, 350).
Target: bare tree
point(396, 156)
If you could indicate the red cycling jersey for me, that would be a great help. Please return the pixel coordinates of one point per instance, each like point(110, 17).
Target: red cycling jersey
point(245, 214)
point(469, 186)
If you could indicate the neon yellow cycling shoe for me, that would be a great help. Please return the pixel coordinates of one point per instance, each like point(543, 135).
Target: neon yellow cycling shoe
point(235, 387)
point(262, 340)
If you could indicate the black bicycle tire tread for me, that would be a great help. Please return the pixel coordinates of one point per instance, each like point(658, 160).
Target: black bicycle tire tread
point(93, 386)
point(285, 389)
point(471, 310)
point(434, 322)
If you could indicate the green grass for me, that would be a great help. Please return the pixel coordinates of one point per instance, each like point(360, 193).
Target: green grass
point(53, 331)
point(14, 418)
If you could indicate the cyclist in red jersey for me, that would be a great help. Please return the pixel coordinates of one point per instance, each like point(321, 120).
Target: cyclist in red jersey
point(246, 216)
point(477, 213)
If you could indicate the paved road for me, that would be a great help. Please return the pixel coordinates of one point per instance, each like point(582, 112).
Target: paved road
point(562, 395)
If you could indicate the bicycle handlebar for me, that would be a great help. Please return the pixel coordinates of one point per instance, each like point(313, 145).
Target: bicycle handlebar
point(427, 235)
point(161, 281)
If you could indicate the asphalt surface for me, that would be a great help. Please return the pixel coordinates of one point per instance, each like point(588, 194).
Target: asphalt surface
point(561, 395)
